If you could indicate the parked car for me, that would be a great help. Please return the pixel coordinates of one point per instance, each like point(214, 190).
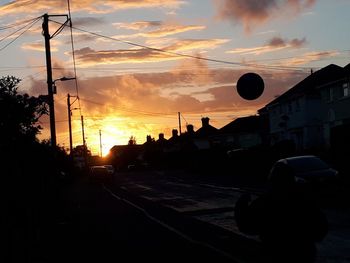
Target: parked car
point(308, 169)
point(100, 173)
point(110, 168)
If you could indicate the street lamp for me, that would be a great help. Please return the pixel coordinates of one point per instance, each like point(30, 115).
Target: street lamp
point(54, 89)
point(69, 104)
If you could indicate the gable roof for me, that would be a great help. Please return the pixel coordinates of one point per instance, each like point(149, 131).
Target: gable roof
point(325, 75)
point(244, 124)
point(347, 69)
point(206, 131)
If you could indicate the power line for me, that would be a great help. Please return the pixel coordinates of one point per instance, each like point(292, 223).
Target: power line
point(73, 55)
point(276, 67)
point(75, 71)
point(14, 32)
point(16, 24)
point(131, 110)
point(28, 27)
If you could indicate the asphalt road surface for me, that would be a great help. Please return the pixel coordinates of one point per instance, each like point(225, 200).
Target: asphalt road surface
point(94, 226)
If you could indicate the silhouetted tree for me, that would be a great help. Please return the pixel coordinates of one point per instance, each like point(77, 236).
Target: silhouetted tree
point(19, 113)
point(29, 169)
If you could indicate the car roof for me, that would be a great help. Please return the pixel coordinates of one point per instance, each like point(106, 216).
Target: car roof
point(292, 158)
point(98, 167)
point(302, 162)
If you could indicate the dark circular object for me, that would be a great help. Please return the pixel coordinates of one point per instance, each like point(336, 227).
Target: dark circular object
point(250, 86)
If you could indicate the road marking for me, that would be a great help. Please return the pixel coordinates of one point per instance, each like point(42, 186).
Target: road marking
point(170, 228)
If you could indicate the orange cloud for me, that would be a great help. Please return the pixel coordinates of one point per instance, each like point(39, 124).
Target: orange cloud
point(310, 57)
point(92, 6)
point(162, 31)
point(171, 30)
point(138, 25)
point(87, 56)
point(189, 44)
point(40, 45)
point(274, 44)
point(147, 103)
point(252, 13)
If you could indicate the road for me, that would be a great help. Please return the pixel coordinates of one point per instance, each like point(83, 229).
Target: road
point(158, 216)
point(212, 201)
point(96, 225)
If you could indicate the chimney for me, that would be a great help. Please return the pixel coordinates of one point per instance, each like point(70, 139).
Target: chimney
point(174, 132)
point(190, 129)
point(149, 138)
point(205, 121)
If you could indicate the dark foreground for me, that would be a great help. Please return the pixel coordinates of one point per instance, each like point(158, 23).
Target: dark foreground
point(91, 225)
point(147, 216)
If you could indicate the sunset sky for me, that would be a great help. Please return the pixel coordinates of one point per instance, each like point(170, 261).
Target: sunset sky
point(139, 63)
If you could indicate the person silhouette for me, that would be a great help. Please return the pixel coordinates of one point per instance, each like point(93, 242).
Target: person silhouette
point(287, 222)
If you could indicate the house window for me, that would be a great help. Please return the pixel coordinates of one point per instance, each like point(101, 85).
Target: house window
point(346, 90)
point(331, 94)
point(297, 105)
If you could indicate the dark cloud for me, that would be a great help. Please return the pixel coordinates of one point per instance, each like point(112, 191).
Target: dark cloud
point(251, 13)
point(277, 42)
point(88, 21)
point(274, 44)
point(280, 42)
point(139, 25)
point(298, 42)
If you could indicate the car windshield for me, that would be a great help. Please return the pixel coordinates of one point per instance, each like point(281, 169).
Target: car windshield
point(98, 168)
point(307, 164)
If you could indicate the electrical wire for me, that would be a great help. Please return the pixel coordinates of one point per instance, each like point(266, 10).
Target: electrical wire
point(176, 54)
point(75, 69)
point(183, 118)
point(73, 55)
point(17, 24)
point(131, 110)
point(13, 40)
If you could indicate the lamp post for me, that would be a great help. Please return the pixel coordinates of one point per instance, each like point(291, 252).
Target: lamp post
point(69, 104)
point(54, 88)
point(54, 91)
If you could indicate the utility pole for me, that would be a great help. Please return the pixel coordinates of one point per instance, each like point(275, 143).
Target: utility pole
point(70, 125)
point(179, 122)
point(82, 129)
point(47, 37)
point(100, 144)
point(84, 142)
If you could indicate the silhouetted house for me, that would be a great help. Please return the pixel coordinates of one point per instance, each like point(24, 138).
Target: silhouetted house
point(190, 131)
point(173, 144)
point(205, 136)
point(161, 142)
point(81, 154)
point(245, 132)
point(174, 139)
point(188, 139)
point(305, 113)
point(123, 155)
point(206, 130)
point(336, 116)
